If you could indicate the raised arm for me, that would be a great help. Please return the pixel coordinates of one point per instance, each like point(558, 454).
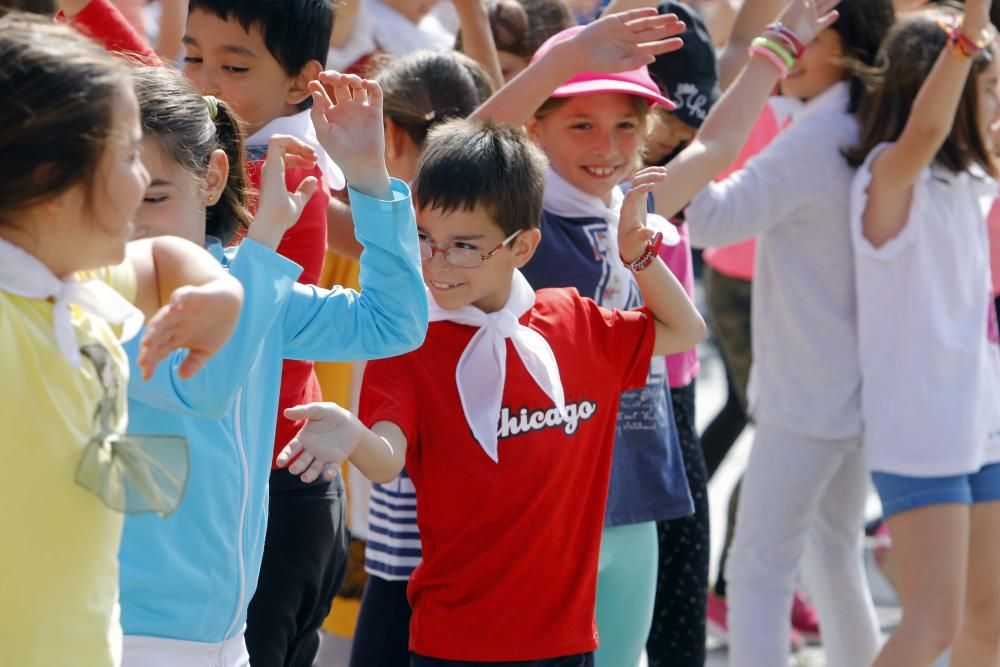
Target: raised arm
point(679, 326)
point(615, 43)
point(750, 21)
point(896, 169)
point(725, 131)
point(477, 37)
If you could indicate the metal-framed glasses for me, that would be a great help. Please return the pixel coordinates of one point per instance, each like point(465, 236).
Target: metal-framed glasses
point(463, 258)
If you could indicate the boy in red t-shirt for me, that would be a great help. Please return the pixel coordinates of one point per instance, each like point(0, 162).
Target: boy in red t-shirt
point(505, 417)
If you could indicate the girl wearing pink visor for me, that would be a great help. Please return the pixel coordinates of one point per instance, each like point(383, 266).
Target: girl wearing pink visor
point(589, 116)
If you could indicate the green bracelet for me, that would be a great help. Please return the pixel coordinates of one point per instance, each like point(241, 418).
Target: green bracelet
point(776, 48)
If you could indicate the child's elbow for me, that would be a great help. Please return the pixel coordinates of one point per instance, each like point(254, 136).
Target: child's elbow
point(698, 329)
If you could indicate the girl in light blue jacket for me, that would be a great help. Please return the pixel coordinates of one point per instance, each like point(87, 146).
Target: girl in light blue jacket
point(187, 579)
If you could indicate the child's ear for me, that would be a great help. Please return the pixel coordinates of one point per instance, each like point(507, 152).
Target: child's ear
point(533, 127)
point(524, 246)
point(300, 84)
point(216, 177)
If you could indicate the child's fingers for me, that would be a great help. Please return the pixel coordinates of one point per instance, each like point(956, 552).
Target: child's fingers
point(313, 472)
point(635, 14)
point(374, 93)
point(290, 451)
point(307, 411)
point(827, 21)
point(658, 48)
point(330, 471)
point(307, 188)
point(193, 363)
point(341, 90)
point(302, 463)
point(824, 7)
point(659, 26)
point(356, 85)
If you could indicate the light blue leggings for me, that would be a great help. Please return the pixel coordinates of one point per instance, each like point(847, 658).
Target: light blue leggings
point(626, 587)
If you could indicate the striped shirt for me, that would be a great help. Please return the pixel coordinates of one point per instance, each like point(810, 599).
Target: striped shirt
point(393, 549)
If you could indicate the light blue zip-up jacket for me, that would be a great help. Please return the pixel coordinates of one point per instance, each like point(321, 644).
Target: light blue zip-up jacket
point(191, 575)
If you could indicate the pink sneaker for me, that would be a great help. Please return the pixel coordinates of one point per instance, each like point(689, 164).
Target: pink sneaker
point(804, 619)
point(717, 622)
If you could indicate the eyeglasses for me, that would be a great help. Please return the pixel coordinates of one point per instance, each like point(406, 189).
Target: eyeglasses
point(129, 473)
point(463, 258)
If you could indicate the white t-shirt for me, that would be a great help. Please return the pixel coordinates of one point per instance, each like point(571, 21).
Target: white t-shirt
point(930, 362)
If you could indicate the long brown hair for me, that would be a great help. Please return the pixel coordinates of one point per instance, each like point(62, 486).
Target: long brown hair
point(59, 90)
point(180, 119)
point(905, 61)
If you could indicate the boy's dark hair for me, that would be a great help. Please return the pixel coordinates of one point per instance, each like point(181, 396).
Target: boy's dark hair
point(467, 164)
point(60, 90)
point(862, 26)
point(910, 52)
point(295, 31)
point(178, 118)
point(426, 88)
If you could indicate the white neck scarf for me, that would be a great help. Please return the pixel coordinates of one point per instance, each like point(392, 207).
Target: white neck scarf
point(567, 201)
point(301, 127)
point(23, 275)
point(482, 368)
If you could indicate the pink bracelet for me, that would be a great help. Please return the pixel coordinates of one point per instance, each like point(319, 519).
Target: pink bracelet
point(797, 46)
point(772, 58)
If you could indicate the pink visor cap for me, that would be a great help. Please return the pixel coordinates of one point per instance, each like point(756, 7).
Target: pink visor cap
point(633, 82)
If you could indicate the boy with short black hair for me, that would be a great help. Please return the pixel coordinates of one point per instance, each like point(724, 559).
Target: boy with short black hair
point(259, 56)
point(508, 445)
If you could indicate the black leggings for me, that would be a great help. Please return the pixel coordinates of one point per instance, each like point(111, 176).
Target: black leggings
point(305, 558)
point(382, 636)
point(677, 636)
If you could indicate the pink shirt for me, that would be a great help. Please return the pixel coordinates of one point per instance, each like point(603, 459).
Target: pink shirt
point(682, 368)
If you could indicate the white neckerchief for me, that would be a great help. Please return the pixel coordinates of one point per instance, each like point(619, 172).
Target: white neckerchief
point(567, 201)
point(23, 275)
point(482, 368)
point(301, 127)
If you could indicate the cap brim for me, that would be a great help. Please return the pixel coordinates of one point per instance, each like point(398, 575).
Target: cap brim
point(612, 86)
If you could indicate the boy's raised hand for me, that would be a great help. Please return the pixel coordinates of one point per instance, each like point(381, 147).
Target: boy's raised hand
point(279, 209)
point(632, 230)
point(808, 18)
point(330, 436)
point(347, 114)
point(625, 41)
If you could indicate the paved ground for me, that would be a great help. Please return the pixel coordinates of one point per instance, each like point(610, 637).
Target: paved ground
point(710, 397)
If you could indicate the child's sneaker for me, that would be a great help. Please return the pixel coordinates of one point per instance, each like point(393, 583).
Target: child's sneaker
point(804, 619)
point(717, 622)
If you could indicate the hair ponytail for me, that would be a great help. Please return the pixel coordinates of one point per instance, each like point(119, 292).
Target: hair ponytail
point(182, 121)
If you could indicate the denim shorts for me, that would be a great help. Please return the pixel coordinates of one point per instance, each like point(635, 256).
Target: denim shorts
point(901, 492)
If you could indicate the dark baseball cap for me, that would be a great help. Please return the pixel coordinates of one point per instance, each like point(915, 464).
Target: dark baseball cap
point(690, 76)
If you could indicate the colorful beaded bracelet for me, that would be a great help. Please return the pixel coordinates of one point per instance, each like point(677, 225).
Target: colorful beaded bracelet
point(648, 255)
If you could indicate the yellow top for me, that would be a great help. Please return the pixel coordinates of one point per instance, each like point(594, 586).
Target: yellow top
point(59, 558)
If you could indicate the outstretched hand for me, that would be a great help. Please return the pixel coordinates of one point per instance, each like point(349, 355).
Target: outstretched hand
point(347, 114)
point(330, 436)
point(808, 18)
point(626, 41)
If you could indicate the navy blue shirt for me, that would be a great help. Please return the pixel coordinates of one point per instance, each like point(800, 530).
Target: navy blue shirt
point(647, 473)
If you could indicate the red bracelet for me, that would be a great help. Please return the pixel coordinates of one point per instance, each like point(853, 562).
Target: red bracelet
point(647, 257)
point(797, 46)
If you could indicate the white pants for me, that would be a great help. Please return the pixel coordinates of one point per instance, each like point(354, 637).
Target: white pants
point(160, 652)
point(802, 499)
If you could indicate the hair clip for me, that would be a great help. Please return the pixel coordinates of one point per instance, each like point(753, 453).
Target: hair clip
point(213, 106)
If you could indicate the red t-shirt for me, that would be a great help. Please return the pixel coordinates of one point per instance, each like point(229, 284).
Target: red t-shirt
point(510, 549)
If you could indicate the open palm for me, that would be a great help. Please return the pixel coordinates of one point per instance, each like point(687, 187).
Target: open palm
point(628, 40)
point(808, 18)
point(347, 114)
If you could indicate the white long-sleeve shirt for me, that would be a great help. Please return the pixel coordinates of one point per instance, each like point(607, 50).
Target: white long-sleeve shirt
point(794, 197)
